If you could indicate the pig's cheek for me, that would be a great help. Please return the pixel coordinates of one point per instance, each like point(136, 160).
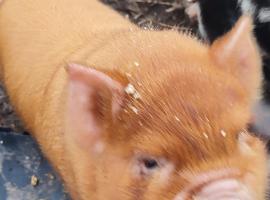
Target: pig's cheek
point(94, 149)
point(250, 181)
point(98, 148)
point(165, 174)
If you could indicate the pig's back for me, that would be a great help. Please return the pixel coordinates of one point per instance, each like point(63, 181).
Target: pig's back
point(37, 36)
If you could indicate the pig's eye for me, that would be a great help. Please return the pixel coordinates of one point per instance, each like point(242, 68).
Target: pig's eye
point(145, 165)
point(150, 164)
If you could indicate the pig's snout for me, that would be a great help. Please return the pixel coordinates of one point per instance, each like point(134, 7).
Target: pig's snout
point(216, 185)
point(226, 189)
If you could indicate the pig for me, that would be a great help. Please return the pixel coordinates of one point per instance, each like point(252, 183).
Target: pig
point(124, 113)
point(215, 18)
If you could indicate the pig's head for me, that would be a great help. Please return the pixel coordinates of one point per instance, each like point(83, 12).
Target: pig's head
point(175, 130)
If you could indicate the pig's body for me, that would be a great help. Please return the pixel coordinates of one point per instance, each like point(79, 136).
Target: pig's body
point(34, 47)
point(39, 38)
point(38, 30)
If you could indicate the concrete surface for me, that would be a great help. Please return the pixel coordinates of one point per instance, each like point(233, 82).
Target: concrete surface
point(21, 162)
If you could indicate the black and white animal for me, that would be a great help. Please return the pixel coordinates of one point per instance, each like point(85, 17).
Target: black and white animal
point(216, 17)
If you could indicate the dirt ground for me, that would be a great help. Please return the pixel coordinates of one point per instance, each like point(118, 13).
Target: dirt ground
point(157, 14)
point(8, 119)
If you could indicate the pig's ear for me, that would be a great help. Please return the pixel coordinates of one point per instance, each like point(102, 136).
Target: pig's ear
point(93, 101)
point(237, 52)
